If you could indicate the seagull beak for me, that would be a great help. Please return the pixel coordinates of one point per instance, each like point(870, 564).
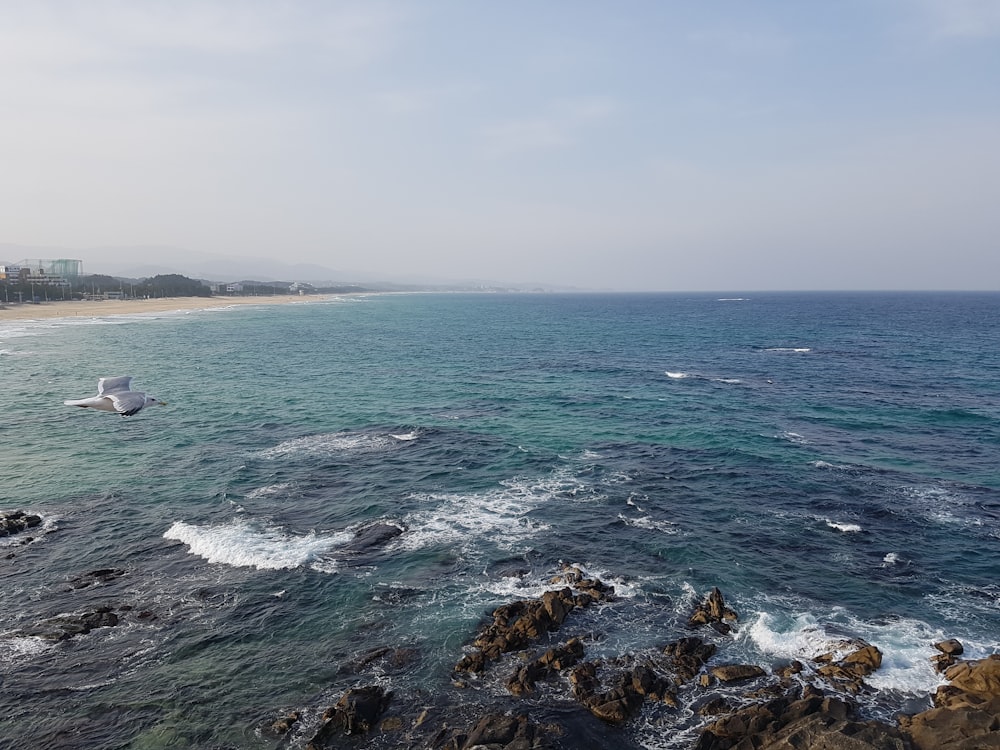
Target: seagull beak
point(162, 403)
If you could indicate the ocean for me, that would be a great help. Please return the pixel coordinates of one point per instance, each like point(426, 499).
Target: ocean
point(343, 478)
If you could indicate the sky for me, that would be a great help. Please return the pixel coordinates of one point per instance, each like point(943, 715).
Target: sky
point(635, 145)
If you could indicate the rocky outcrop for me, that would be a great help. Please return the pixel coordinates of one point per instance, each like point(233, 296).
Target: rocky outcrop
point(950, 650)
point(849, 672)
point(15, 521)
point(713, 612)
point(357, 711)
point(966, 715)
point(500, 732)
point(618, 696)
point(736, 672)
point(811, 722)
point(686, 657)
point(517, 625)
point(552, 661)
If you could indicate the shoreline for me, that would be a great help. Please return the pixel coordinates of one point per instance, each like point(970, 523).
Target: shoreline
point(94, 309)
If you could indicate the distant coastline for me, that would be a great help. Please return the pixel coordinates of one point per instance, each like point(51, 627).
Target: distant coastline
point(89, 309)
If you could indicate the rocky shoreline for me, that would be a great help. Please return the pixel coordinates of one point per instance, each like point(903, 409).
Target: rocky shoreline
point(799, 705)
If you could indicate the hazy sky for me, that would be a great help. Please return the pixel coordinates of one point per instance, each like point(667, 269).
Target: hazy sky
point(631, 145)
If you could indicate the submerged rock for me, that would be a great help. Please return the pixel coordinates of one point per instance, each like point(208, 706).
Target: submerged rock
point(96, 577)
point(65, 627)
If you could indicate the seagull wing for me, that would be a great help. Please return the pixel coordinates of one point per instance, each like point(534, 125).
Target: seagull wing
point(127, 403)
point(107, 386)
point(94, 402)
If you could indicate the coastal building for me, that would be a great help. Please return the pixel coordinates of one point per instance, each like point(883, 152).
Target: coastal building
point(59, 272)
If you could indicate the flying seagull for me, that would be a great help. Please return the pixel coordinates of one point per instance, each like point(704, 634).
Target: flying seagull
point(116, 395)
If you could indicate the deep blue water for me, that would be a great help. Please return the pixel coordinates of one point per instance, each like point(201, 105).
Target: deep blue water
point(830, 461)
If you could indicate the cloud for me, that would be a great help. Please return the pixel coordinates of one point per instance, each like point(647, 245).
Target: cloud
point(973, 19)
point(562, 126)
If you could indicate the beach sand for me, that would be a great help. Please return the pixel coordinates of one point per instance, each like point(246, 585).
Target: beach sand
point(80, 309)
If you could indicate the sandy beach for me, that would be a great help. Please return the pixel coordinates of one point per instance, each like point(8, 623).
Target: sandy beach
point(81, 309)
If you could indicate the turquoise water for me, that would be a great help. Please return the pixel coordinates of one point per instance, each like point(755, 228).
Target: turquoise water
point(830, 461)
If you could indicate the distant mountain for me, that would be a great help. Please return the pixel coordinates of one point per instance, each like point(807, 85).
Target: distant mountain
point(145, 261)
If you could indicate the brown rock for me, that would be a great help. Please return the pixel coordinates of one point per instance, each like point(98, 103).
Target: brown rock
point(687, 656)
point(285, 723)
point(736, 672)
point(502, 732)
point(964, 728)
point(713, 610)
point(980, 678)
point(517, 624)
point(951, 647)
point(357, 711)
point(812, 723)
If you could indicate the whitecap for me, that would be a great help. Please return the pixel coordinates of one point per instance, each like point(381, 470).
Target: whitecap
point(793, 437)
point(651, 524)
point(891, 558)
point(406, 436)
point(847, 528)
point(676, 375)
point(269, 490)
point(500, 515)
point(729, 381)
point(825, 465)
point(241, 544)
point(904, 643)
point(791, 349)
point(330, 444)
point(16, 649)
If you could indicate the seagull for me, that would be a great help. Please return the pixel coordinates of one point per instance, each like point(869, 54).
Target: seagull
point(116, 395)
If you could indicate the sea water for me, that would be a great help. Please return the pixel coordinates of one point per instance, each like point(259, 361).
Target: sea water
point(830, 461)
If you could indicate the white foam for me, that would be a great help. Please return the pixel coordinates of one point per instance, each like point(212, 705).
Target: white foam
point(330, 444)
point(406, 436)
point(905, 645)
point(16, 333)
point(270, 490)
point(34, 533)
point(19, 648)
point(645, 522)
point(794, 437)
point(891, 558)
point(847, 528)
point(825, 465)
point(676, 375)
point(499, 515)
point(731, 299)
point(241, 544)
point(797, 349)
point(730, 381)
